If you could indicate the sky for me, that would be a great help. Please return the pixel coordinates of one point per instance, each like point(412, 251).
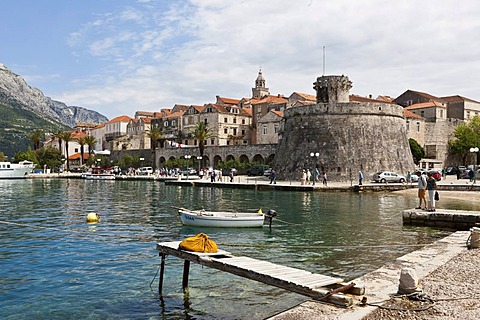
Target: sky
point(122, 56)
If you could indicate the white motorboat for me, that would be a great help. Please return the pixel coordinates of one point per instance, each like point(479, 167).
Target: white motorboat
point(19, 170)
point(98, 174)
point(223, 219)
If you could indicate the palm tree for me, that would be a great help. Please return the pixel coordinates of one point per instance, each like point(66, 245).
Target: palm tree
point(58, 135)
point(90, 142)
point(81, 141)
point(201, 132)
point(67, 136)
point(36, 136)
point(154, 134)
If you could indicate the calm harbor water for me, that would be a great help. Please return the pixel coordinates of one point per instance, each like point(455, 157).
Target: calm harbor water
point(55, 266)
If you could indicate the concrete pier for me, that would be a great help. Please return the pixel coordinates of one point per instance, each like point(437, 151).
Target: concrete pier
point(442, 218)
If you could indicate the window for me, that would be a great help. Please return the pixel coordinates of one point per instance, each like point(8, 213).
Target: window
point(422, 113)
point(205, 121)
point(225, 130)
point(173, 123)
point(212, 142)
point(234, 120)
point(243, 132)
point(407, 126)
point(228, 142)
point(234, 131)
point(225, 120)
point(195, 142)
point(243, 121)
point(275, 128)
point(186, 142)
point(468, 114)
point(418, 126)
point(441, 113)
point(265, 129)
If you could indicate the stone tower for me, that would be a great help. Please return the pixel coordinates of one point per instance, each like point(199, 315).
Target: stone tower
point(260, 90)
point(348, 136)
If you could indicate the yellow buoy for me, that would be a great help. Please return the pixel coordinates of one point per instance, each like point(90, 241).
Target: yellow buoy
point(260, 211)
point(93, 217)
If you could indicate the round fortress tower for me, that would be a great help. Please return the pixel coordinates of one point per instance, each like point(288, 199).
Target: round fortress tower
point(348, 136)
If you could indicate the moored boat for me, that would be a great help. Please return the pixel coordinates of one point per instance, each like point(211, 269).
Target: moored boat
point(98, 174)
point(222, 219)
point(19, 170)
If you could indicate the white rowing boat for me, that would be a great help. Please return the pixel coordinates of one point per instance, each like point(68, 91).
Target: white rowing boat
point(224, 219)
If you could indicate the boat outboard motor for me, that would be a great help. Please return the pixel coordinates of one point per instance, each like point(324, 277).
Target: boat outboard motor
point(269, 216)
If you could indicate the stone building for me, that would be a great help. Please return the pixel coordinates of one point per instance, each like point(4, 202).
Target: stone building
point(349, 136)
point(268, 127)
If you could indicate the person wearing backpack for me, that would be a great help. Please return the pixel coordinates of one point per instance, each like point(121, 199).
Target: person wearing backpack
point(422, 191)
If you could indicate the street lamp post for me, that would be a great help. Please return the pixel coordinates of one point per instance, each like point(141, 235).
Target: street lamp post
point(475, 150)
point(199, 158)
point(188, 159)
point(314, 171)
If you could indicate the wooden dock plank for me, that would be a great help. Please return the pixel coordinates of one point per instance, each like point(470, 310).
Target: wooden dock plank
point(288, 278)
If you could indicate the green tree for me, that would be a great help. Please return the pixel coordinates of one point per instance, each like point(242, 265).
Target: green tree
point(90, 142)
point(466, 135)
point(201, 132)
point(154, 134)
point(37, 136)
point(49, 156)
point(82, 142)
point(417, 151)
point(3, 157)
point(28, 155)
point(67, 136)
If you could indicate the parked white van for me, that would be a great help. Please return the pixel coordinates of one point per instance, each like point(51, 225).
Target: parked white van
point(145, 171)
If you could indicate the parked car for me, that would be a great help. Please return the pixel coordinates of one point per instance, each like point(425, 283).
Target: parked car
point(145, 170)
point(465, 174)
point(451, 170)
point(267, 172)
point(257, 170)
point(189, 171)
point(388, 176)
point(226, 172)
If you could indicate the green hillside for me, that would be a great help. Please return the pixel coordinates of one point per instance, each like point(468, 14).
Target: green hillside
point(15, 126)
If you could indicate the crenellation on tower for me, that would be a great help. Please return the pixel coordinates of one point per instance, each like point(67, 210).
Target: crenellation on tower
point(332, 89)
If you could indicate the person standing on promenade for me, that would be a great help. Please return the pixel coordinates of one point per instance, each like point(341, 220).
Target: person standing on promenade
point(273, 177)
point(422, 186)
point(409, 178)
point(309, 176)
point(431, 187)
point(324, 179)
point(360, 177)
point(303, 177)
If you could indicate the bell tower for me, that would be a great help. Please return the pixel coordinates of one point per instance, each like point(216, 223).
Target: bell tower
point(260, 91)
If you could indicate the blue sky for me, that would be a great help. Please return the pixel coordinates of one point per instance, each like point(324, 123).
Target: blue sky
point(119, 56)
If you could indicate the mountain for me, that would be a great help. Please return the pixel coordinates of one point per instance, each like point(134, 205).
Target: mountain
point(24, 109)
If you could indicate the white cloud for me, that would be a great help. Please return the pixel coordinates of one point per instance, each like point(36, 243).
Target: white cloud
point(192, 51)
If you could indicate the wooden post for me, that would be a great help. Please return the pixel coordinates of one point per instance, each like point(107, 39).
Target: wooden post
point(186, 270)
point(162, 269)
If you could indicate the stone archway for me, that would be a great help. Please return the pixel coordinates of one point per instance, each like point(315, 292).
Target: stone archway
point(270, 159)
point(229, 157)
point(244, 158)
point(258, 158)
point(216, 160)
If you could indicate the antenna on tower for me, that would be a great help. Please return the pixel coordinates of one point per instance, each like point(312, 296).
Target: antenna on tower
point(323, 61)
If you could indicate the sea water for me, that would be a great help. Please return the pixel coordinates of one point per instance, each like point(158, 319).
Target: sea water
point(53, 265)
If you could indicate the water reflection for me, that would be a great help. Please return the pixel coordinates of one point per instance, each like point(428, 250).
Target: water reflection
point(53, 253)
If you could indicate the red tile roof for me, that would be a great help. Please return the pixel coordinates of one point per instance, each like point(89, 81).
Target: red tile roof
point(425, 105)
point(119, 119)
point(410, 114)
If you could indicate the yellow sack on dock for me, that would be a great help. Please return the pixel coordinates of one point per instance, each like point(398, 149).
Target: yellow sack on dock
point(199, 243)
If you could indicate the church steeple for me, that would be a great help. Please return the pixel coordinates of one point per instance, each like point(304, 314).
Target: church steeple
point(259, 91)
